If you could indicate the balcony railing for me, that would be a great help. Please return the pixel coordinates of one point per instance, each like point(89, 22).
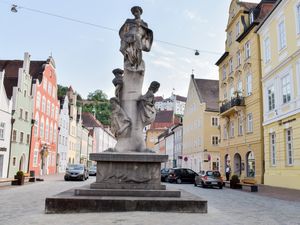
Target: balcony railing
point(237, 101)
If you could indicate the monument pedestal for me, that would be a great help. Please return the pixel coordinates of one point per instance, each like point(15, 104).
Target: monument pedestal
point(126, 182)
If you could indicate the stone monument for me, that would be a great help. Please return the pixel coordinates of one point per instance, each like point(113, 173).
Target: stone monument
point(128, 176)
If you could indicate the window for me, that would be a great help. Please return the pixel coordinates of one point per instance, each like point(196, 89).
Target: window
point(273, 148)
point(38, 100)
point(250, 164)
point(49, 88)
point(238, 58)
point(2, 128)
point(47, 131)
point(26, 116)
point(250, 123)
point(298, 18)
point(267, 50)
point(225, 136)
point(215, 140)
point(51, 133)
point(21, 114)
point(247, 50)
point(240, 122)
point(237, 29)
point(225, 93)
point(21, 137)
point(52, 110)
point(45, 83)
point(240, 87)
point(232, 129)
point(230, 38)
point(230, 65)
point(35, 157)
point(14, 136)
point(42, 128)
point(251, 17)
point(271, 98)
point(281, 34)
point(14, 161)
point(43, 104)
point(231, 92)
point(48, 108)
point(286, 89)
point(224, 72)
point(249, 84)
point(27, 139)
point(289, 147)
point(215, 121)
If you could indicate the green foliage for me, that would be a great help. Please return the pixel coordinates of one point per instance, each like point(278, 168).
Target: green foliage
point(20, 174)
point(98, 103)
point(235, 178)
point(61, 90)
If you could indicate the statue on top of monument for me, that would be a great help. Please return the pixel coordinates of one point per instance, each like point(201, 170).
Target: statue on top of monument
point(118, 82)
point(135, 38)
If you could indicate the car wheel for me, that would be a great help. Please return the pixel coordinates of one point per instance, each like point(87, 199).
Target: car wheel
point(83, 178)
point(178, 181)
point(66, 179)
point(195, 184)
point(203, 185)
point(166, 179)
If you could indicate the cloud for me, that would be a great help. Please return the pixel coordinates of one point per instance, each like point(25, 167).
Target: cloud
point(192, 15)
point(160, 50)
point(163, 63)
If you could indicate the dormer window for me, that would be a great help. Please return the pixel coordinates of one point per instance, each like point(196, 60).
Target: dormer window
point(251, 17)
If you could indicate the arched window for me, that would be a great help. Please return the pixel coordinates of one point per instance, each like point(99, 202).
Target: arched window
point(250, 164)
point(36, 124)
point(47, 130)
point(51, 133)
point(42, 128)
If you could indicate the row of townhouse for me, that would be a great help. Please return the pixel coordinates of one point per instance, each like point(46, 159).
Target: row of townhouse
point(259, 81)
point(249, 119)
point(38, 131)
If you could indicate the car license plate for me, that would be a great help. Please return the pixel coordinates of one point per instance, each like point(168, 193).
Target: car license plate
point(214, 182)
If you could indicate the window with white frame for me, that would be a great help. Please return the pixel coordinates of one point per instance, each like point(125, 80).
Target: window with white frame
point(224, 72)
point(240, 87)
point(247, 50)
point(51, 132)
point(28, 139)
point(21, 114)
point(47, 131)
point(298, 18)
point(38, 100)
point(281, 35)
point(230, 38)
point(35, 157)
point(26, 116)
point(240, 122)
point(43, 104)
point(231, 91)
point(238, 58)
point(225, 134)
point(249, 84)
point(48, 107)
point(42, 128)
point(237, 29)
point(45, 83)
point(230, 65)
point(2, 130)
point(21, 137)
point(286, 89)
point(267, 50)
point(14, 136)
point(52, 110)
point(249, 123)
point(215, 140)
point(225, 93)
point(215, 121)
point(231, 129)
point(271, 98)
point(289, 147)
point(273, 148)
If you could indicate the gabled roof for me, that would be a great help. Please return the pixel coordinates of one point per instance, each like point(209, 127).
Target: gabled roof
point(180, 98)
point(158, 99)
point(208, 92)
point(12, 67)
point(247, 5)
point(88, 120)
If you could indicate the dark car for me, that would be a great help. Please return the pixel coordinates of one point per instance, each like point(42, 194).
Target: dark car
point(76, 172)
point(180, 175)
point(93, 170)
point(210, 178)
point(164, 173)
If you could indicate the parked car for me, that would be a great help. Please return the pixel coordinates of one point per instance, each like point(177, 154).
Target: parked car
point(180, 175)
point(76, 172)
point(210, 178)
point(93, 170)
point(164, 173)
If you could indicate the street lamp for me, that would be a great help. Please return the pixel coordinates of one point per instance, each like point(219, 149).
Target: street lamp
point(14, 8)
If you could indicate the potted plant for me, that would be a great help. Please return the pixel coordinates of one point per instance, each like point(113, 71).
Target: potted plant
point(20, 178)
point(234, 182)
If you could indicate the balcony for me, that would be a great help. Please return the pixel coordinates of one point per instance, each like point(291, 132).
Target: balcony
point(232, 106)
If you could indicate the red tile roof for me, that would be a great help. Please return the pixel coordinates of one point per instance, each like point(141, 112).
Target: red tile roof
point(88, 120)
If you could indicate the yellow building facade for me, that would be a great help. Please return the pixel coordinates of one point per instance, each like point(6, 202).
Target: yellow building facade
point(201, 126)
point(152, 137)
point(280, 48)
point(240, 92)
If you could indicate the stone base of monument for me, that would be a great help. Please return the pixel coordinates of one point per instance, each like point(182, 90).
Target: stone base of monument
point(126, 182)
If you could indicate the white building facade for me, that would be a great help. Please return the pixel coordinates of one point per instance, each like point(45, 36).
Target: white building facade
point(175, 103)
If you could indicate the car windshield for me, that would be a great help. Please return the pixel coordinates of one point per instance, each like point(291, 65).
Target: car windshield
point(213, 173)
point(93, 168)
point(75, 167)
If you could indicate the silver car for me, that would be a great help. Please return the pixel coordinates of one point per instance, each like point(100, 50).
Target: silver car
point(210, 178)
point(76, 172)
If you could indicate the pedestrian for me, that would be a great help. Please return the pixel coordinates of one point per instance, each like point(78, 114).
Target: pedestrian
point(227, 171)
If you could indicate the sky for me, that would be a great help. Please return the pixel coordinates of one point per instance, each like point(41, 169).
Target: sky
point(86, 55)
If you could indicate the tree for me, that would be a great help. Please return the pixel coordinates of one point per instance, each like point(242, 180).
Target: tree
point(61, 91)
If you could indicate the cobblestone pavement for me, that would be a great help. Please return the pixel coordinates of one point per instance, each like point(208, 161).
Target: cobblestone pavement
point(25, 205)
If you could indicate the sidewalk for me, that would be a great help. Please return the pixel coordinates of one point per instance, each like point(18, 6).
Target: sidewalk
point(279, 193)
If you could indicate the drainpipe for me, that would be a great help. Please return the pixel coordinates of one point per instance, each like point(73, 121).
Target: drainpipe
point(30, 143)
point(12, 121)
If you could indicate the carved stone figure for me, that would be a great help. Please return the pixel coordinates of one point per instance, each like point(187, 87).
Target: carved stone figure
point(118, 82)
point(135, 38)
point(120, 121)
point(147, 109)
